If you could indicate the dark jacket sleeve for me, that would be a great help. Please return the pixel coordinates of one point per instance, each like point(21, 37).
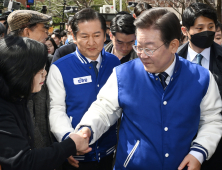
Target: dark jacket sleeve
point(56, 56)
point(16, 153)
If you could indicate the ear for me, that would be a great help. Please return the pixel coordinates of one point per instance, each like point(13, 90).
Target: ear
point(74, 39)
point(105, 38)
point(174, 44)
point(134, 16)
point(184, 31)
point(111, 35)
point(25, 32)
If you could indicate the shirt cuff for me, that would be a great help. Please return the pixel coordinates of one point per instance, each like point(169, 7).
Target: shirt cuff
point(199, 156)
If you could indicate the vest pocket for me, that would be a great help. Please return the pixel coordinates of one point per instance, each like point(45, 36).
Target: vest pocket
point(131, 154)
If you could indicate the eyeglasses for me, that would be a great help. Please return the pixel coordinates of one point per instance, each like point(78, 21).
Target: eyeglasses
point(147, 51)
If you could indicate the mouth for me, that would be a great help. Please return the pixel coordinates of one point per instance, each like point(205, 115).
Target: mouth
point(41, 83)
point(91, 49)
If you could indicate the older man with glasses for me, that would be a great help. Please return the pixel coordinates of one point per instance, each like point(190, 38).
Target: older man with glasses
point(166, 101)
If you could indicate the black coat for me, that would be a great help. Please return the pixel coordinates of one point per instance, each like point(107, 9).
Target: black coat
point(16, 141)
point(216, 69)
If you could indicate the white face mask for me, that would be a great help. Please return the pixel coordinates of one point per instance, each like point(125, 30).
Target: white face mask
point(70, 39)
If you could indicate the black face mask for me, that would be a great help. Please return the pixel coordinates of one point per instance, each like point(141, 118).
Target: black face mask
point(203, 39)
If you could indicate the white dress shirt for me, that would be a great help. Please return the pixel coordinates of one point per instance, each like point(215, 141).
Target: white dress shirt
point(169, 71)
point(205, 62)
point(99, 60)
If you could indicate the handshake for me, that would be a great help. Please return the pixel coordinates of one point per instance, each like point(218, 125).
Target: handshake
point(81, 139)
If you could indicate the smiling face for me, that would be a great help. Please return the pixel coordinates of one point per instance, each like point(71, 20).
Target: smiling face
point(90, 39)
point(162, 58)
point(38, 80)
point(122, 43)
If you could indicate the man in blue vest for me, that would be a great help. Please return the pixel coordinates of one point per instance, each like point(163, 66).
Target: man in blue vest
point(74, 82)
point(166, 101)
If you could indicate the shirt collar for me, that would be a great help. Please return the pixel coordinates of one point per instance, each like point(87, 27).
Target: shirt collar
point(205, 53)
point(99, 59)
point(170, 69)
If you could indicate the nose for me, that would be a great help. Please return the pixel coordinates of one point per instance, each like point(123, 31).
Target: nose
point(143, 55)
point(125, 47)
point(91, 41)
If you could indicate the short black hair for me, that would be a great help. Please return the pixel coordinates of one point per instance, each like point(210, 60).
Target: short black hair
point(87, 14)
point(123, 23)
point(21, 59)
point(163, 20)
point(57, 35)
point(140, 7)
point(122, 13)
point(218, 26)
point(53, 43)
point(63, 33)
point(192, 12)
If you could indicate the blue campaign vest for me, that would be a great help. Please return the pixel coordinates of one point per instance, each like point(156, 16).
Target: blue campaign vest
point(82, 86)
point(158, 126)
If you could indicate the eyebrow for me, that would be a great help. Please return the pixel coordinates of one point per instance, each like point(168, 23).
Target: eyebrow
point(148, 43)
point(204, 24)
point(93, 33)
point(126, 42)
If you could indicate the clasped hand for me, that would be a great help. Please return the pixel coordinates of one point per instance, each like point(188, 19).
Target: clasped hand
point(81, 139)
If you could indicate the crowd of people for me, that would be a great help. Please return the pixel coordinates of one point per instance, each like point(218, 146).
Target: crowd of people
point(146, 94)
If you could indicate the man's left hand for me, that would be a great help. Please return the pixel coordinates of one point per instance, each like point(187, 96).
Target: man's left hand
point(191, 162)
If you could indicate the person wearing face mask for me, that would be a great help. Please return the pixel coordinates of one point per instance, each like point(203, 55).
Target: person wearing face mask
point(199, 22)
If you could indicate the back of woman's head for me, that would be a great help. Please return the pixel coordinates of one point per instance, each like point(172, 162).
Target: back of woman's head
point(20, 59)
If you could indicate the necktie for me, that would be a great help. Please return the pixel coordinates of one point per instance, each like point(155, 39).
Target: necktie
point(163, 76)
point(94, 63)
point(199, 58)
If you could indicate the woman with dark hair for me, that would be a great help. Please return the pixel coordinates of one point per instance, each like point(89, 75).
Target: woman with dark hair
point(22, 72)
point(51, 45)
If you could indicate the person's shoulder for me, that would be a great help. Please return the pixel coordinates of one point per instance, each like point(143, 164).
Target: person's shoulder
point(128, 64)
point(193, 66)
point(70, 47)
point(217, 49)
point(111, 57)
point(6, 106)
point(64, 59)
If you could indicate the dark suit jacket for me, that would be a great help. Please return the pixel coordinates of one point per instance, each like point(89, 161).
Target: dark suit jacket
point(63, 51)
point(216, 69)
